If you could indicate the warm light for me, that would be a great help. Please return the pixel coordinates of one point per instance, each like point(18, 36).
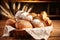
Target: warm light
point(29, 1)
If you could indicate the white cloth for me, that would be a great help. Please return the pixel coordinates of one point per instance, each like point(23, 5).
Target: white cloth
point(36, 33)
point(7, 30)
point(40, 33)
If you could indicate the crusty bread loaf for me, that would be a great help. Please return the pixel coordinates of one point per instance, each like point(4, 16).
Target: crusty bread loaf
point(23, 24)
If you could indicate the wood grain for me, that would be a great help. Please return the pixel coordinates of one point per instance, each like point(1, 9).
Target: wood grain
point(54, 38)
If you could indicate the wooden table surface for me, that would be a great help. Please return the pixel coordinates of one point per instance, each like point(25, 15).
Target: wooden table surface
point(55, 35)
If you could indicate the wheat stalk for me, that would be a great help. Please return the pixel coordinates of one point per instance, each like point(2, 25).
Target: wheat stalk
point(9, 9)
point(7, 5)
point(30, 9)
point(6, 15)
point(23, 9)
point(26, 8)
point(18, 6)
point(14, 6)
point(5, 11)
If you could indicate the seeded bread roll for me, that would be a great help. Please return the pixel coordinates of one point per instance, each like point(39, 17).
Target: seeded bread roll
point(21, 24)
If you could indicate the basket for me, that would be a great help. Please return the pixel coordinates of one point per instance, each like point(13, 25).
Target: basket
point(36, 33)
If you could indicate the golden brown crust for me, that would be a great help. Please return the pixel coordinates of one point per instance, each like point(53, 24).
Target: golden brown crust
point(33, 14)
point(23, 24)
point(11, 22)
point(48, 22)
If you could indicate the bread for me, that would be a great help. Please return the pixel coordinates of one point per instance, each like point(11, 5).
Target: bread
point(48, 21)
point(11, 22)
point(44, 18)
point(43, 15)
point(21, 24)
point(17, 15)
point(33, 14)
point(21, 15)
point(37, 23)
point(29, 17)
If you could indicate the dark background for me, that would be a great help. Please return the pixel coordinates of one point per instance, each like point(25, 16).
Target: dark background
point(51, 7)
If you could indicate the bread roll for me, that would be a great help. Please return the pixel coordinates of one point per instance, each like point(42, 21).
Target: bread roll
point(21, 24)
point(23, 15)
point(48, 21)
point(17, 15)
point(33, 14)
point(43, 15)
point(37, 23)
point(29, 17)
point(11, 22)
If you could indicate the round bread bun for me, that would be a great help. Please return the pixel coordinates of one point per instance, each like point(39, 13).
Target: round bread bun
point(23, 15)
point(43, 15)
point(37, 23)
point(11, 22)
point(29, 17)
point(33, 14)
point(18, 15)
point(21, 24)
point(48, 21)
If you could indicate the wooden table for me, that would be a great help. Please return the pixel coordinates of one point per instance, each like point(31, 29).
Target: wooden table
point(55, 35)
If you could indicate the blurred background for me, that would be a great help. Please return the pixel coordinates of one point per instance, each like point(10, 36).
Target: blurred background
point(52, 7)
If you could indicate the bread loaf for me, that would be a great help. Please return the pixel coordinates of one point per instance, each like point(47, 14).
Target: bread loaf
point(21, 24)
